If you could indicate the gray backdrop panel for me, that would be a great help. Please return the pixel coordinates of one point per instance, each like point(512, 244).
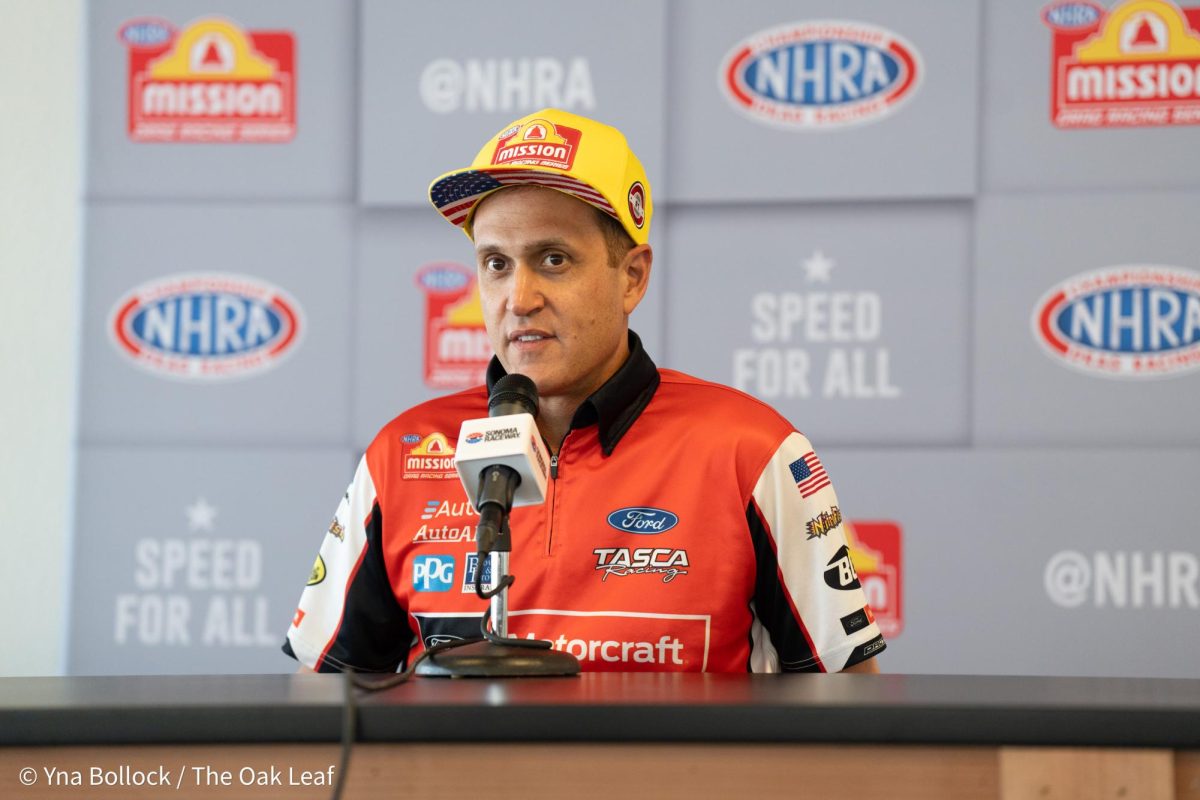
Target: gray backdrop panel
point(926, 148)
point(161, 587)
point(1021, 147)
point(391, 321)
point(980, 530)
point(1025, 246)
point(899, 287)
point(433, 82)
point(317, 164)
point(305, 250)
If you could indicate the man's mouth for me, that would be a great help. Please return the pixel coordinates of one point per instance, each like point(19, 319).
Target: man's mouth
point(525, 337)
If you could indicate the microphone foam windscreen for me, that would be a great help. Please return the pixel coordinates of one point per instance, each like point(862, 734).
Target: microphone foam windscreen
point(514, 393)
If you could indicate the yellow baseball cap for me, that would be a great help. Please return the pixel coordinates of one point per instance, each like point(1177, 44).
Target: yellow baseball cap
point(578, 156)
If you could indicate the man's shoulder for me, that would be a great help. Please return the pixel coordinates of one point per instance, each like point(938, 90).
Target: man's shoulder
point(737, 409)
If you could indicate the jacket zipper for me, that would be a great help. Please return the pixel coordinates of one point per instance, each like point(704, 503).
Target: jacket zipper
point(554, 492)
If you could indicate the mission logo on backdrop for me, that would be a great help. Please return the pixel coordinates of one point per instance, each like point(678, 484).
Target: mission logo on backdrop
point(207, 326)
point(820, 74)
point(457, 349)
point(1138, 64)
point(209, 82)
point(1124, 322)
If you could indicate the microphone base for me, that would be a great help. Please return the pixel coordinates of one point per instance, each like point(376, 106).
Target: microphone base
point(487, 660)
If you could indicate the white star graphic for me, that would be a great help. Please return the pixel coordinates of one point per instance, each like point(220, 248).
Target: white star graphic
point(818, 266)
point(200, 515)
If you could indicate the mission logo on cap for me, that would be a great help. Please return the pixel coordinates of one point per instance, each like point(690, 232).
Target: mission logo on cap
point(572, 154)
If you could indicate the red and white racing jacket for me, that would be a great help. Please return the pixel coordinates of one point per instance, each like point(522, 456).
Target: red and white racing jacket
point(687, 527)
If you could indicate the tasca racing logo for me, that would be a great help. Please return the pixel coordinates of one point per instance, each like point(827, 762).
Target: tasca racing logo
point(212, 81)
point(1123, 322)
point(206, 326)
point(820, 74)
point(668, 562)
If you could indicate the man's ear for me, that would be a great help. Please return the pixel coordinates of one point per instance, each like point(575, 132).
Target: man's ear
point(635, 271)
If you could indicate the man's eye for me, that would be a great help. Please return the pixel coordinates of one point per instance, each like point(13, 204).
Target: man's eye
point(555, 259)
point(493, 264)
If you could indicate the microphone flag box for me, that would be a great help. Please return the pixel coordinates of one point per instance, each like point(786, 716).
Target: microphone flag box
point(512, 440)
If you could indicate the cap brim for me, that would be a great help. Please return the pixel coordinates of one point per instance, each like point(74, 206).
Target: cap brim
point(456, 194)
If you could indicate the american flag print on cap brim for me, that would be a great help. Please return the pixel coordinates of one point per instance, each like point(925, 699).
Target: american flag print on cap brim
point(457, 194)
point(809, 473)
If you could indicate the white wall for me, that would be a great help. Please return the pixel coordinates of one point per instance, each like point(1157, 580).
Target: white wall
point(41, 189)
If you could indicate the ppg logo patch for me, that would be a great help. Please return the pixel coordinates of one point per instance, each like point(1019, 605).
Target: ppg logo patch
point(433, 573)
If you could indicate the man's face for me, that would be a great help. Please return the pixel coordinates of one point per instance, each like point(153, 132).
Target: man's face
point(555, 309)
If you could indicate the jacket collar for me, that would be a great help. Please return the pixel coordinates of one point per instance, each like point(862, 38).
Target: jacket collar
point(617, 404)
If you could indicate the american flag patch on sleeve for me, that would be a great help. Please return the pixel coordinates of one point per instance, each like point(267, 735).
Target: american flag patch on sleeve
point(809, 474)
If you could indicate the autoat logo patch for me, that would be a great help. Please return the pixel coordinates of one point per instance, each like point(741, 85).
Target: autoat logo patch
point(1137, 64)
point(875, 547)
point(448, 521)
point(430, 459)
point(643, 520)
point(433, 573)
point(623, 561)
point(538, 143)
point(1123, 322)
point(211, 82)
point(822, 74)
point(457, 349)
point(206, 326)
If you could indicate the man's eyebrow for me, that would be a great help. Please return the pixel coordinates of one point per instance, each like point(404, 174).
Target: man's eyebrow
point(528, 247)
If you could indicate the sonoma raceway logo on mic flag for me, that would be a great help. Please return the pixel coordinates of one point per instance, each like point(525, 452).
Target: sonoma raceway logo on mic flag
point(820, 74)
point(206, 326)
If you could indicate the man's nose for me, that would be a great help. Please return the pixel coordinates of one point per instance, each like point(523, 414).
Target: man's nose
point(525, 294)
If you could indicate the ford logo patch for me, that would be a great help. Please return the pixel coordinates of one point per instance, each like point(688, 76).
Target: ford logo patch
point(640, 519)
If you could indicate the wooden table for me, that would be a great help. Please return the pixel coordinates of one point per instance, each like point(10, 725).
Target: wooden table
point(606, 736)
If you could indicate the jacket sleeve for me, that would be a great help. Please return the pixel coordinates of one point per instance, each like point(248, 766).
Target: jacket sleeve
point(810, 612)
point(348, 615)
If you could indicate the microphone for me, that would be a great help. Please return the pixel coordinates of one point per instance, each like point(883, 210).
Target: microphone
point(502, 460)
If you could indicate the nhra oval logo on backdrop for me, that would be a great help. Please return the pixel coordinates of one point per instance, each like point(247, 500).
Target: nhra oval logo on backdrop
point(1124, 322)
point(640, 519)
point(206, 326)
point(820, 74)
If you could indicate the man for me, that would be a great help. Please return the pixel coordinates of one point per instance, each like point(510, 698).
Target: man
point(687, 526)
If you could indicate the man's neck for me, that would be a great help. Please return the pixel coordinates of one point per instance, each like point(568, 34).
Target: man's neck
point(554, 419)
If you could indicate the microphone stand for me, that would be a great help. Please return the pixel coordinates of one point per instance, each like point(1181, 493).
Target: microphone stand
point(497, 655)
